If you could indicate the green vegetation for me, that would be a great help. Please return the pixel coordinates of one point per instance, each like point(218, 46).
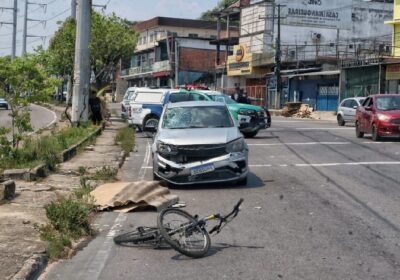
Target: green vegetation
point(126, 139)
point(69, 219)
point(42, 149)
point(106, 174)
point(211, 15)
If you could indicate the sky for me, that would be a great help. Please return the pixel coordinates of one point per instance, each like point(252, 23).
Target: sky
point(58, 10)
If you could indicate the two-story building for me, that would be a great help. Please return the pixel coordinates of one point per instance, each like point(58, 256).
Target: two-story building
point(173, 51)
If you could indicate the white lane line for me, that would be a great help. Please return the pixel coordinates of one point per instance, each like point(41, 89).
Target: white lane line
point(98, 262)
point(370, 142)
point(349, 163)
point(146, 159)
point(324, 128)
point(329, 164)
point(92, 272)
point(300, 143)
point(50, 123)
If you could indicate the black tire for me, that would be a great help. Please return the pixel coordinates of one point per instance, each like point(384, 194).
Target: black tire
point(141, 235)
point(250, 134)
point(359, 134)
point(151, 120)
point(242, 182)
point(174, 233)
point(374, 132)
point(340, 120)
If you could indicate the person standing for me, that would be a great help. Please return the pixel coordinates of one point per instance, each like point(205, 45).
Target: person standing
point(95, 108)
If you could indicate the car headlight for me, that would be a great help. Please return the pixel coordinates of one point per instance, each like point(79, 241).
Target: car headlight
point(383, 118)
point(166, 149)
point(246, 112)
point(235, 146)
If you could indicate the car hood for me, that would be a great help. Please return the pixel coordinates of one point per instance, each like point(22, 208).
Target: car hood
point(237, 106)
point(394, 114)
point(198, 136)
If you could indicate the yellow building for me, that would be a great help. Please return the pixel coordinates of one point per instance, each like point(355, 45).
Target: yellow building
point(396, 28)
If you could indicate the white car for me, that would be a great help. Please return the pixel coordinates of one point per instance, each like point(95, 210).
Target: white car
point(347, 110)
point(146, 107)
point(198, 142)
point(129, 95)
point(3, 103)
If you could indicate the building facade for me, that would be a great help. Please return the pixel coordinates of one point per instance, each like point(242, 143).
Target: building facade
point(173, 52)
point(315, 36)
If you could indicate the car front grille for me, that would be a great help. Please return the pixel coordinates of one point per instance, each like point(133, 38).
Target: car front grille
point(186, 154)
point(395, 121)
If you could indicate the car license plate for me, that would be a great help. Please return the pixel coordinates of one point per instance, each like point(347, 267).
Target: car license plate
point(202, 169)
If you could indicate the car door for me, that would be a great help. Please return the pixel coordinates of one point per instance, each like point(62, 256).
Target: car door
point(361, 114)
point(367, 114)
point(345, 109)
point(352, 110)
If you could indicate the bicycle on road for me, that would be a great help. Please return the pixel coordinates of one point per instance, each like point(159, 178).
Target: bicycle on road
point(185, 233)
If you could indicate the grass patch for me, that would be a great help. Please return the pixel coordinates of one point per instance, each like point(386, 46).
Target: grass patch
point(45, 148)
point(126, 139)
point(69, 219)
point(106, 174)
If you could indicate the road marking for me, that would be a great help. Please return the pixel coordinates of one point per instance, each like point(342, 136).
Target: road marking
point(324, 128)
point(329, 164)
point(370, 142)
point(50, 123)
point(300, 143)
point(98, 262)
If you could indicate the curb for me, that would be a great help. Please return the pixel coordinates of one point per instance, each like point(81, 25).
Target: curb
point(41, 171)
point(32, 267)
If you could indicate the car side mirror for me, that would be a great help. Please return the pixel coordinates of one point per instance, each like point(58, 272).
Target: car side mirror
point(369, 108)
point(355, 107)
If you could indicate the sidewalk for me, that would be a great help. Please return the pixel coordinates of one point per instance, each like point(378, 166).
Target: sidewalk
point(22, 253)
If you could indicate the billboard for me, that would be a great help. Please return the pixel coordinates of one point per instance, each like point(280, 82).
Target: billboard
point(240, 63)
point(334, 14)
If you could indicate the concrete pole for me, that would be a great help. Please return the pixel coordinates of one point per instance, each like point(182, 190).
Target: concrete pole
point(80, 97)
point(14, 38)
point(176, 62)
point(25, 28)
point(73, 9)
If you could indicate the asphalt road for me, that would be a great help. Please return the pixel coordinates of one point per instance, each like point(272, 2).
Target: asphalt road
point(40, 117)
point(320, 204)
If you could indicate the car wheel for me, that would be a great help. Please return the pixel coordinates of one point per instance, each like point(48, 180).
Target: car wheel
point(340, 120)
point(250, 134)
point(151, 121)
point(374, 132)
point(242, 182)
point(359, 134)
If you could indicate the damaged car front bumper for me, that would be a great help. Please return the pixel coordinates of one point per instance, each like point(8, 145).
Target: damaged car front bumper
point(224, 168)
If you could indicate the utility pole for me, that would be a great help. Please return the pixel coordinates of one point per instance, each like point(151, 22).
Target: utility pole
point(80, 98)
point(73, 9)
point(14, 24)
point(26, 19)
point(278, 58)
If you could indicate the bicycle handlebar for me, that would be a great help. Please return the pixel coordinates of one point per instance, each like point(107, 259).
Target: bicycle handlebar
point(223, 219)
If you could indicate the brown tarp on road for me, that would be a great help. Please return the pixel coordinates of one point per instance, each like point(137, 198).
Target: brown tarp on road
point(128, 196)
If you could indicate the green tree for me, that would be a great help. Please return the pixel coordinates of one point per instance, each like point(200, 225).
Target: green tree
point(211, 15)
point(22, 81)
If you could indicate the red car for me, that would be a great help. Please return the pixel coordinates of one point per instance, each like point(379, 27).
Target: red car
point(379, 115)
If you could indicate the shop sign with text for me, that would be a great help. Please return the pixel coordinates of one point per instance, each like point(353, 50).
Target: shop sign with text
point(240, 63)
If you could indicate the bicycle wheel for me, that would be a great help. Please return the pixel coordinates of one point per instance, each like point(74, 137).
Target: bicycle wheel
point(179, 230)
point(140, 235)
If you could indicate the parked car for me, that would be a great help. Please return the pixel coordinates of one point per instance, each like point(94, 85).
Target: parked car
point(3, 103)
point(199, 142)
point(347, 110)
point(128, 96)
point(146, 107)
point(379, 115)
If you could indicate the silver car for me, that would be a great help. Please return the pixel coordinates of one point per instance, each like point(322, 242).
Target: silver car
point(199, 142)
point(347, 110)
point(3, 103)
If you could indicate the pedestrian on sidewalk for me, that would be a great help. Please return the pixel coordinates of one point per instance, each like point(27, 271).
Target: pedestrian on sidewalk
point(95, 108)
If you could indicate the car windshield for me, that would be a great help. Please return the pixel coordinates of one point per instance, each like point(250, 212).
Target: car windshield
point(197, 117)
point(388, 103)
point(222, 98)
